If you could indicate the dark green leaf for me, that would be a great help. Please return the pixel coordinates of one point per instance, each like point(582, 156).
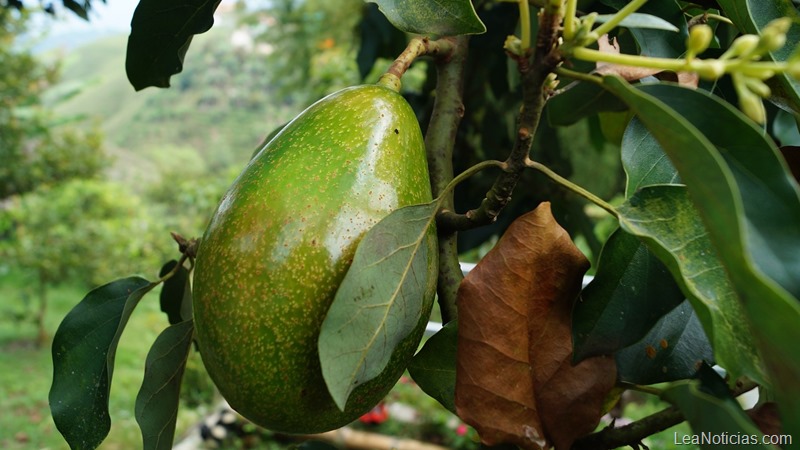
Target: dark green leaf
point(80, 10)
point(630, 292)
point(580, 101)
point(661, 43)
point(176, 294)
point(665, 219)
point(638, 20)
point(434, 367)
point(712, 417)
point(161, 31)
point(83, 356)
point(644, 160)
point(157, 402)
point(730, 215)
point(379, 39)
point(751, 16)
point(672, 350)
point(631, 289)
point(385, 294)
point(769, 193)
point(439, 17)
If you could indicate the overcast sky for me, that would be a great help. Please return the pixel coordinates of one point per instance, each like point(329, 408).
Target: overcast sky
point(112, 16)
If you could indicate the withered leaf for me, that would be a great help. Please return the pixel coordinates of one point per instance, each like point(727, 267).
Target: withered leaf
point(630, 73)
point(514, 379)
point(767, 418)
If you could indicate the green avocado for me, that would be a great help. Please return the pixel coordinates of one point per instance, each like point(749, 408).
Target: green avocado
point(280, 243)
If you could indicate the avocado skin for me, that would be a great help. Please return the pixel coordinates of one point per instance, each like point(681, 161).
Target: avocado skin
point(280, 243)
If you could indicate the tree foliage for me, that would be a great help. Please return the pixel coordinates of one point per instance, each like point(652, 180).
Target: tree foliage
point(683, 97)
point(34, 151)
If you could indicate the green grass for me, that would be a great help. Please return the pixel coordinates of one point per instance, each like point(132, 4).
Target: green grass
point(26, 371)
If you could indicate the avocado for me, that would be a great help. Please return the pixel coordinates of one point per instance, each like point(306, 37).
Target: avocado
point(280, 243)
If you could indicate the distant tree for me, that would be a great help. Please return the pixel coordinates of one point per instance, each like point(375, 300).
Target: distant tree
point(35, 152)
point(78, 230)
point(317, 42)
point(53, 219)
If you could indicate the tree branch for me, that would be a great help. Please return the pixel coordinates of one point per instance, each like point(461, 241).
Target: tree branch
point(534, 71)
point(448, 109)
point(633, 433)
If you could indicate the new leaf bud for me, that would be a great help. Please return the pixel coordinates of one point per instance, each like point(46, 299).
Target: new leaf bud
point(513, 45)
point(773, 36)
point(743, 46)
point(750, 104)
point(699, 39)
point(711, 69)
point(758, 87)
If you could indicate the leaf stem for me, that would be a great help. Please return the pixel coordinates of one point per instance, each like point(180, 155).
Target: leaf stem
point(626, 11)
point(564, 72)
point(637, 387)
point(174, 270)
point(525, 25)
point(472, 171)
point(572, 186)
point(417, 47)
point(569, 19)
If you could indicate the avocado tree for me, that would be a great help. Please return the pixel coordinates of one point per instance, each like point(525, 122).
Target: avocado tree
point(318, 268)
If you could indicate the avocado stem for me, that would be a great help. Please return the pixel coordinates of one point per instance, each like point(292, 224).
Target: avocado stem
point(417, 47)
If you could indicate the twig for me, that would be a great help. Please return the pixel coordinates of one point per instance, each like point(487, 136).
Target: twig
point(534, 72)
point(633, 433)
point(421, 46)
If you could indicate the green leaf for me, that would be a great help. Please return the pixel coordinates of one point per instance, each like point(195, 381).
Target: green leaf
point(176, 294)
point(632, 289)
point(643, 159)
point(161, 31)
point(732, 215)
point(630, 292)
point(580, 101)
point(712, 417)
point(665, 219)
point(660, 43)
point(379, 39)
point(434, 367)
point(751, 16)
point(83, 357)
point(383, 298)
point(439, 17)
point(638, 20)
point(157, 402)
point(673, 349)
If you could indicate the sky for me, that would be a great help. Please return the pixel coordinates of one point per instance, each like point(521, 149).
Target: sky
point(113, 16)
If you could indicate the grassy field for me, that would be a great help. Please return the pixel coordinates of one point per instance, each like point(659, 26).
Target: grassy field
point(26, 371)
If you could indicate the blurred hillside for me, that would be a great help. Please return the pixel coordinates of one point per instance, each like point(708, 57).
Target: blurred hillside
point(213, 117)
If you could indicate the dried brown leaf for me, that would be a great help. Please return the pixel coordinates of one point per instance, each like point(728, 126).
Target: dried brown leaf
point(570, 398)
point(514, 379)
point(767, 418)
point(631, 73)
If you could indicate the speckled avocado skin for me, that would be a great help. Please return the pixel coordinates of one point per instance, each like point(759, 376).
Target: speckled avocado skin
point(280, 243)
